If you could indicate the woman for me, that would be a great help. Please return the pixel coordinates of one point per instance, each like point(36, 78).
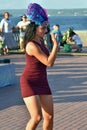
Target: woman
point(6, 29)
point(35, 89)
point(73, 37)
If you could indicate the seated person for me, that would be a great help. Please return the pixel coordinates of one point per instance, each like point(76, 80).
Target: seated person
point(73, 37)
point(65, 36)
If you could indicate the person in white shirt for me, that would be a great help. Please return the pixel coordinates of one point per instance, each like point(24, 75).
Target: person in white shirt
point(22, 28)
point(6, 30)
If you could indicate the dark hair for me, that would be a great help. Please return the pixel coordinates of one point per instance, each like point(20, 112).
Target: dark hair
point(57, 25)
point(6, 13)
point(48, 29)
point(71, 33)
point(24, 15)
point(30, 32)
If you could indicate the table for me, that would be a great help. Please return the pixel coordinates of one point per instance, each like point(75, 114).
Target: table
point(7, 74)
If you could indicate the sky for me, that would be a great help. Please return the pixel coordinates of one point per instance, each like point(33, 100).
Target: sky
point(48, 4)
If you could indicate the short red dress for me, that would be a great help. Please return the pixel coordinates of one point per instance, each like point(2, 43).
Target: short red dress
point(33, 80)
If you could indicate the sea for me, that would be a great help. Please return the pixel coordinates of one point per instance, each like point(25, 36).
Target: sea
point(66, 18)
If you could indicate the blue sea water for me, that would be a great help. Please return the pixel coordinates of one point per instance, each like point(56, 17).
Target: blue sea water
point(76, 18)
point(65, 22)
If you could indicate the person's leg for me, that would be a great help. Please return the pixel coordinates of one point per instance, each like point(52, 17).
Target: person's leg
point(22, 43)
point(47, 111)
point(74, 46)
point(34, 108)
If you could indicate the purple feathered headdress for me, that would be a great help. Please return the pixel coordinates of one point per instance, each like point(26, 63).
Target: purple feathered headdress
point(37, 14)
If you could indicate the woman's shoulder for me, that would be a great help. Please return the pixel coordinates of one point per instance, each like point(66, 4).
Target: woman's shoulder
point(31, 48)
point(35, 43)
point(3, 20)
point(31, 45)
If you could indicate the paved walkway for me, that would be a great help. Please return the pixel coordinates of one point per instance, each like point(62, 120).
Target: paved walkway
point(68, 80)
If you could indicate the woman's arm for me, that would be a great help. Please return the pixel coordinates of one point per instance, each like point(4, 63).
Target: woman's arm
point(34, 50)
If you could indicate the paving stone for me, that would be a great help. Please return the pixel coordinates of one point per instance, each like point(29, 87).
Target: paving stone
point(68, 81)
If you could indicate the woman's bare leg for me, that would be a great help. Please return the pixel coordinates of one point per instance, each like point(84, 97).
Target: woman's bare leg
point(34, 108)
point(47, 111)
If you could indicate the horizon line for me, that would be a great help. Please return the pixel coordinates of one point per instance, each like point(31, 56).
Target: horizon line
point(47, 8)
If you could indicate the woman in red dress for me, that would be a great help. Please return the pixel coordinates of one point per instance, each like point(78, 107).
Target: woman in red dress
point(34, 85)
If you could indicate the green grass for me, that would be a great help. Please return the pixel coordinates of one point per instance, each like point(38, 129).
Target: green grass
point(15, 52)
point(72, 54)
point(59, 53)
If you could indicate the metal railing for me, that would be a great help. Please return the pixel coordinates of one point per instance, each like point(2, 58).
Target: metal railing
point(16, 36)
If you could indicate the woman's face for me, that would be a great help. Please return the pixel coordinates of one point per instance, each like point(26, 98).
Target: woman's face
point(24, 18)
point(6, 15)
point(41, 30)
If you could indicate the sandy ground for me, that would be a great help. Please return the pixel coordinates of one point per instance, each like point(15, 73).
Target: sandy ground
point(83, 36)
